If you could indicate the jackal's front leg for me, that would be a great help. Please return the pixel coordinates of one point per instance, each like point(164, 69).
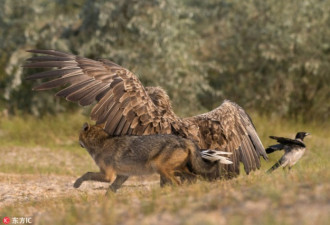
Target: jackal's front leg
point(91, 176)
point(120, 179)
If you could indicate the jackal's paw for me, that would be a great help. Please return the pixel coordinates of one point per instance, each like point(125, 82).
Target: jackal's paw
point(77, 183)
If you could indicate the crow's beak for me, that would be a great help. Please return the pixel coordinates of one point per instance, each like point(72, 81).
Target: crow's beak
point(307, 134)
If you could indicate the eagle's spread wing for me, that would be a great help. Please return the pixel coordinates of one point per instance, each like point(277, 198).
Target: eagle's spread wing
point(229, 128)
point(288, 141)
point(123, 105)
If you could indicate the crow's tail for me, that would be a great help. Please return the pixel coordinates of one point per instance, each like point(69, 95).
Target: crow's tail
point(275, 166)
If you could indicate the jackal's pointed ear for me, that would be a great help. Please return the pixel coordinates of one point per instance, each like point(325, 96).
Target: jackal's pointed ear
point(85, 127)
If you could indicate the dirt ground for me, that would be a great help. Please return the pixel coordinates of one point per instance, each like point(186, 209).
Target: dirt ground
point(38, 182)
point(20, 188)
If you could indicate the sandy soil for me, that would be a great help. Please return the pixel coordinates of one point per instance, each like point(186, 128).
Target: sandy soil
point(18, 189)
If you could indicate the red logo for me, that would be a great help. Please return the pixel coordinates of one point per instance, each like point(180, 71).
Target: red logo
point(6, 220)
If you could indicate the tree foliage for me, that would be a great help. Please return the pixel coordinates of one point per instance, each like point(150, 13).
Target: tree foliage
point(271, 56)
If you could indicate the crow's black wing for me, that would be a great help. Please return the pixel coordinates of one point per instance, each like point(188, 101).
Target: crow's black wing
point(288, 141)
point(273, 148)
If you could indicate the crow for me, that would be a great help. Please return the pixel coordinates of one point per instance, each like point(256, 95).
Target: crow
point(294, 149)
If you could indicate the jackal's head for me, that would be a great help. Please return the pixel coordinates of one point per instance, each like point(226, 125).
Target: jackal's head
point(92, 136)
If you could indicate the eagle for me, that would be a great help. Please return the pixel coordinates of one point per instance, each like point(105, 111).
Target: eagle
point(125, 107)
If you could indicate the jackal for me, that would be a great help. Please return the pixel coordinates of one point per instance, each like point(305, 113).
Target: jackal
point(121, 157)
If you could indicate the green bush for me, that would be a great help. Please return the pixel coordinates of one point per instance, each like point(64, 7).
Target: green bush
point(269, 56)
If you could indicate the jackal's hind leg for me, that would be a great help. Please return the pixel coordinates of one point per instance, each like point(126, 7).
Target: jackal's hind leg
point(163, 181)
point(186, 175)
point(168, 178)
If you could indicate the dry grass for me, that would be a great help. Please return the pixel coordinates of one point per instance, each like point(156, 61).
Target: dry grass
point(299, 197)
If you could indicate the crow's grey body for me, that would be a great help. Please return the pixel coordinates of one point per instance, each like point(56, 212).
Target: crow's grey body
point(294, 150)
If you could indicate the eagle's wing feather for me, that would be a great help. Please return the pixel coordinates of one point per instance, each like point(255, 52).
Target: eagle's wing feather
point(123, 105)
point(229, 128)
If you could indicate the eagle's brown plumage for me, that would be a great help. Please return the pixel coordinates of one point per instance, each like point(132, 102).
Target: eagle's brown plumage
point(125, 107)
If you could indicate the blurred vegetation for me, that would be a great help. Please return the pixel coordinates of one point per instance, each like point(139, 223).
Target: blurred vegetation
point(268, 56)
